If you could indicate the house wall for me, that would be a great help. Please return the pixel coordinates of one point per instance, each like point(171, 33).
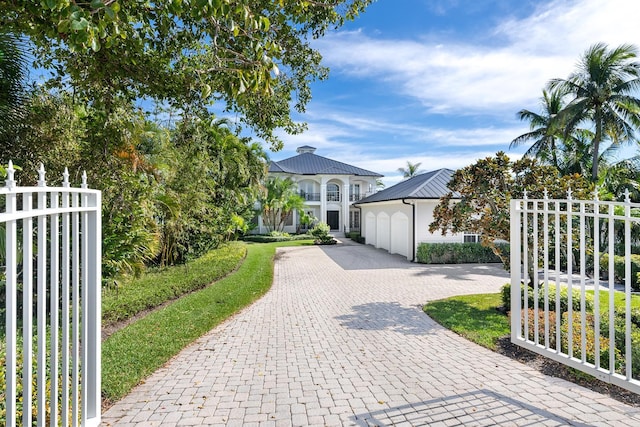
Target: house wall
point(389, 226)
point(318, 184)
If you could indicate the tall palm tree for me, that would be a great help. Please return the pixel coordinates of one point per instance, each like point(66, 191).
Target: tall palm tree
point(603, 87)
point(545, 128)
point(411, 170)
point(12, 93)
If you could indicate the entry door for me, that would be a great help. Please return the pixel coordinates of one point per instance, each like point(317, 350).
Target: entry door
point(333, 219)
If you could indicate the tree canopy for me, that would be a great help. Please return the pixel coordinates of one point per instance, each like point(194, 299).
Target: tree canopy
point(485, 189)
point(255, 55)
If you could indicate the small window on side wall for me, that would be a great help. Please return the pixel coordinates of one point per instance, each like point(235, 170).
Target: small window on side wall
point(471, 238)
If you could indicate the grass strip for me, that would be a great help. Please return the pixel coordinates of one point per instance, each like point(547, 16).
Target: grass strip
point(133, 353)
point(472, 316)
point(156, 287)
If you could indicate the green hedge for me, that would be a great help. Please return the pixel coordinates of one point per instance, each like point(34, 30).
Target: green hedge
point(564, 298)
point(156, 287)
point(263, 238)
point(619, 267)
point(456, 253)
point(355, 236)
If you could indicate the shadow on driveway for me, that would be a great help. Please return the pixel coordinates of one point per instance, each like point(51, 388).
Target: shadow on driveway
point(392, 316)
point(480, 407)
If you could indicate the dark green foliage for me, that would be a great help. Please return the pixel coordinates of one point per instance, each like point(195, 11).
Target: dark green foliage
point(260, 238)
point(156, 287)
point(457, 253)
point(619, 269)
point(321, 234)
point(356, 237)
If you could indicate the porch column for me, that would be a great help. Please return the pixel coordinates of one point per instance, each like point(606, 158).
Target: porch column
point(345, 207)
point(323, 200)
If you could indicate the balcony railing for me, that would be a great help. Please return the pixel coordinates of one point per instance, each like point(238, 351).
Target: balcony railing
point(333, 197)
point(310, 197)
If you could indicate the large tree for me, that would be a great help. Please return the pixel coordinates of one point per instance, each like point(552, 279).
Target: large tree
point(253, 54)
point(603, 89)
point(480, 195)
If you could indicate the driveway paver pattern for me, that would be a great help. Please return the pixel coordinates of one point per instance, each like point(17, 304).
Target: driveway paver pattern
point(340, 339)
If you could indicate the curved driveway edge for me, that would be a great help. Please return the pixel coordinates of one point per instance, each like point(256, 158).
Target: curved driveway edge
point(340, 339)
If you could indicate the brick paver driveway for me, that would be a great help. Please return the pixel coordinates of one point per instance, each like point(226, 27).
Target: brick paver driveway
point(341, 340)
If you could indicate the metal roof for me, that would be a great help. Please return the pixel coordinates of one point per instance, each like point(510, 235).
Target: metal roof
point(428, 185)
point(312, 164)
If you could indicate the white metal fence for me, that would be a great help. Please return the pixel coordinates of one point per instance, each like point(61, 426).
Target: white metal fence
point(52, 275)
point(572, 274)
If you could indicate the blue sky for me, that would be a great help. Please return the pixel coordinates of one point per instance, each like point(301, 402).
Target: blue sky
point(440, 81)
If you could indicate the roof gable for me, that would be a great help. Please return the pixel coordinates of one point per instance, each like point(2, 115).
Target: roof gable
point(311, 164)
point(428, 185)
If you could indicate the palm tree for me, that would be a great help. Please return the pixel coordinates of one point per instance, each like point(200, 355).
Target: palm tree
point(603, 88)
point(12, 93)
point(411, 170)
point(279, 202)
point(545, 128)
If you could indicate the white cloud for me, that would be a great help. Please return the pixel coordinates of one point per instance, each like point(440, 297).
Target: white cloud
point(449, 76)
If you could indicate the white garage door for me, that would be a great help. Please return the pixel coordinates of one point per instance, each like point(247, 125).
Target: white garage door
point(399, 234)
point(382, 231)
point(370, 229)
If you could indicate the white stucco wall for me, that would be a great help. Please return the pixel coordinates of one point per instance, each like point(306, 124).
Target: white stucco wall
point(384, 221)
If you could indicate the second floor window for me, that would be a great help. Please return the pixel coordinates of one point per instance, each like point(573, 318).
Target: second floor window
point(333, 193)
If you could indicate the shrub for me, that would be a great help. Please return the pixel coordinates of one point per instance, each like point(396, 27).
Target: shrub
point(619, 269)
point(590, 346)
point(564, 298)
point(276, 233)
point(356, 237)
point(261, 238)
point(456, 253)
point(321, 234)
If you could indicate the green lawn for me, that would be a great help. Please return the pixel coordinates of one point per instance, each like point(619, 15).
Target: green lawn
point(475, 317)
point(133, 353)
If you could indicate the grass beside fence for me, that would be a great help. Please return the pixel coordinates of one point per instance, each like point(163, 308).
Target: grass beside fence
point(157, 287)
point(136, 351)
point(474, 317)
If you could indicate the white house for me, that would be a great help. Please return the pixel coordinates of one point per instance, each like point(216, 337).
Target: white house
point(330, 188)
point(397, 218)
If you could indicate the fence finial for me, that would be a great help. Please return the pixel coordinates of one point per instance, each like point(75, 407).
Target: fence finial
point(524, 195)
point(65, 178)
point(84, 179)
point(627, 199)
point(569, 194)
point(10, 181)
point(41, 179)
point(595, 194)
point(546, 193)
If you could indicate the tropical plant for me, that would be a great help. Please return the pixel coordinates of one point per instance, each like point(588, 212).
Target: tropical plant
point(603, 90)
point(12, 91)
point(545, 128)
point(485, 190)
point(411, 170)
point(279, 201)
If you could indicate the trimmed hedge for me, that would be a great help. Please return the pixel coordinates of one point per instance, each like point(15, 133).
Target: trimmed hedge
point(355, 236)
point(564, 298)
point(456, 253)
point(619, 267)
point(263, 238)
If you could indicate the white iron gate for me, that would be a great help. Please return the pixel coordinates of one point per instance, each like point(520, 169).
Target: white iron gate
point(52, 239)
point(571, 284)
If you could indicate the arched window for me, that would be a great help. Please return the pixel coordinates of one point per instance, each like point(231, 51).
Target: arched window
point(333, 193)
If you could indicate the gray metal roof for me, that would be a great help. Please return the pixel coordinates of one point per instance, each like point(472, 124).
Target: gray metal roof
point(312, 164)
point(428, 185)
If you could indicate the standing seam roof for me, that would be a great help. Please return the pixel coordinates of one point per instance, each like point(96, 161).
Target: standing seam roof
point(429, 185)
point(312, 164)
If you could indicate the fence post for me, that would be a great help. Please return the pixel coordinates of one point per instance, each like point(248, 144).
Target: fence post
point(11, 299)
point(516, 272)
